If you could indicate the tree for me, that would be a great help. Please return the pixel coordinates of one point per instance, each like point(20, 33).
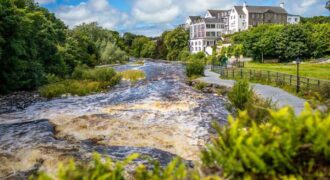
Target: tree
point(238, 51)
point(110, 53)
point(328, 5)
point(137, 46)
point(175, 41)
point(292, 43)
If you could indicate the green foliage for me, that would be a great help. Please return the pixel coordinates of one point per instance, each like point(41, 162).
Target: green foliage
point(175, 41)
point(176, 169)
point(315, 19)
point(292, 43)
point(72, 87)
point(200, 85)
point(286, 146)
point(85, 81)
point(97, 169)
point(195, 68)
point(241, 94)
point(184, 55)
point(110, 54)
point(29, 36)
point(133, 75)
point(285, 42)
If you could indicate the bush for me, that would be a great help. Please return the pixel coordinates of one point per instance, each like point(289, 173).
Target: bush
point(85, 81)
point(240, 94)
point(174, 170)
point(287, 145)
point(72, 87)
point(97, 169)
point(200, 85)
point(96, 74)
point(195, 68)
point(133, 75)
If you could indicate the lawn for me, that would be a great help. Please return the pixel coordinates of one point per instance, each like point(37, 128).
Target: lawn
point(312, 70)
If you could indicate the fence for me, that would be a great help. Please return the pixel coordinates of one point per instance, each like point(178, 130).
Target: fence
point(280, 79)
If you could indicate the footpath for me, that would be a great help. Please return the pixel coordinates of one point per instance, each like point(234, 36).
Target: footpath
point(277, 95)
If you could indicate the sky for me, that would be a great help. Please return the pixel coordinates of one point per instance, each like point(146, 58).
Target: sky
point(152, 17)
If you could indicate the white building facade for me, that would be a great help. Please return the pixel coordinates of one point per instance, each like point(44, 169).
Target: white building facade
point(208, 30)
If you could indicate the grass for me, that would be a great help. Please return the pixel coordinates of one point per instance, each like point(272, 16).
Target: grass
point(133, 75)
point(83, 81)
point(312, 70)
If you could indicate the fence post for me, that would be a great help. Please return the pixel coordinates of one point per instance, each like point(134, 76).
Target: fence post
point(233, 73)
point(290, 80)
point(307, 83)
point(242, 73)
point(250, 73)
point(277, 77)
point(319, 84)
point(268, 77)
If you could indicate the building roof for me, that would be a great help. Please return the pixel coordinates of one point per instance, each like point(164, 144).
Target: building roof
point(263, 9)
point(212, 20)
point(215, 13)
point(293, 15)
point(260, 9)
point(194, 18)
point(239, 9)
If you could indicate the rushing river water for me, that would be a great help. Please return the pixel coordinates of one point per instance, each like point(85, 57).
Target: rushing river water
point(160, 116)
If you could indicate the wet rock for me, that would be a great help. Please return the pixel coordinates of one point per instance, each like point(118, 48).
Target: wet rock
point(18, 101)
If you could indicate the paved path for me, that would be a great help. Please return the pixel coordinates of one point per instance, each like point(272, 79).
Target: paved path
point(281, 97)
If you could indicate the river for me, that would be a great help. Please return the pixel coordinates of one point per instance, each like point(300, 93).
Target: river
point(160, 116)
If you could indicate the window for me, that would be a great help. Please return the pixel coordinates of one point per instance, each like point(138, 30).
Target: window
point(210, 34)
point(219, 34)
point(210, 26)
point(253, 16)
point(296, 19)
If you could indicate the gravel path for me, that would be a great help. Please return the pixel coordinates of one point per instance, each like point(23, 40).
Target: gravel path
point(281, 97)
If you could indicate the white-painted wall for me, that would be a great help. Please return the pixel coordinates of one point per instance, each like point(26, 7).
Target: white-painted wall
point(293, 19)
point(233, 21)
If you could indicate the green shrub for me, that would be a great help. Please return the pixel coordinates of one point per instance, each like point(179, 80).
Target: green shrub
point(176, 169)
point(52, 78)
point(97, 169)
point(259, 109)
point(96, 74)
point(72, 87)
point(195, 68)
point(132, 75)
point(287, 145)
point(240, 94)
point(200, 85)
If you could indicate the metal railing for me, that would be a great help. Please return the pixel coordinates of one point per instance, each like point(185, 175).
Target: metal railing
point(268, 77)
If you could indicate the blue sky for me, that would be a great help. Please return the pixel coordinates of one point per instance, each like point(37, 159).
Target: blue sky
point(152, 17)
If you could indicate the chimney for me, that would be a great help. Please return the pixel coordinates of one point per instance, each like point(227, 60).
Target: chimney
point(282, 5)
point(244, 4)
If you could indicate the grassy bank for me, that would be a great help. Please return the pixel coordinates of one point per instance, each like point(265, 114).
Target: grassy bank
point(312, 70)
point(132, 75)
point(83, 81)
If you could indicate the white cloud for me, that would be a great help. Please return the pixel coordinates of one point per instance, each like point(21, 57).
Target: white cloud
point(165, 11)
point(153, 11)
point(98, 11)
point(44, 1)
point(306, 7)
